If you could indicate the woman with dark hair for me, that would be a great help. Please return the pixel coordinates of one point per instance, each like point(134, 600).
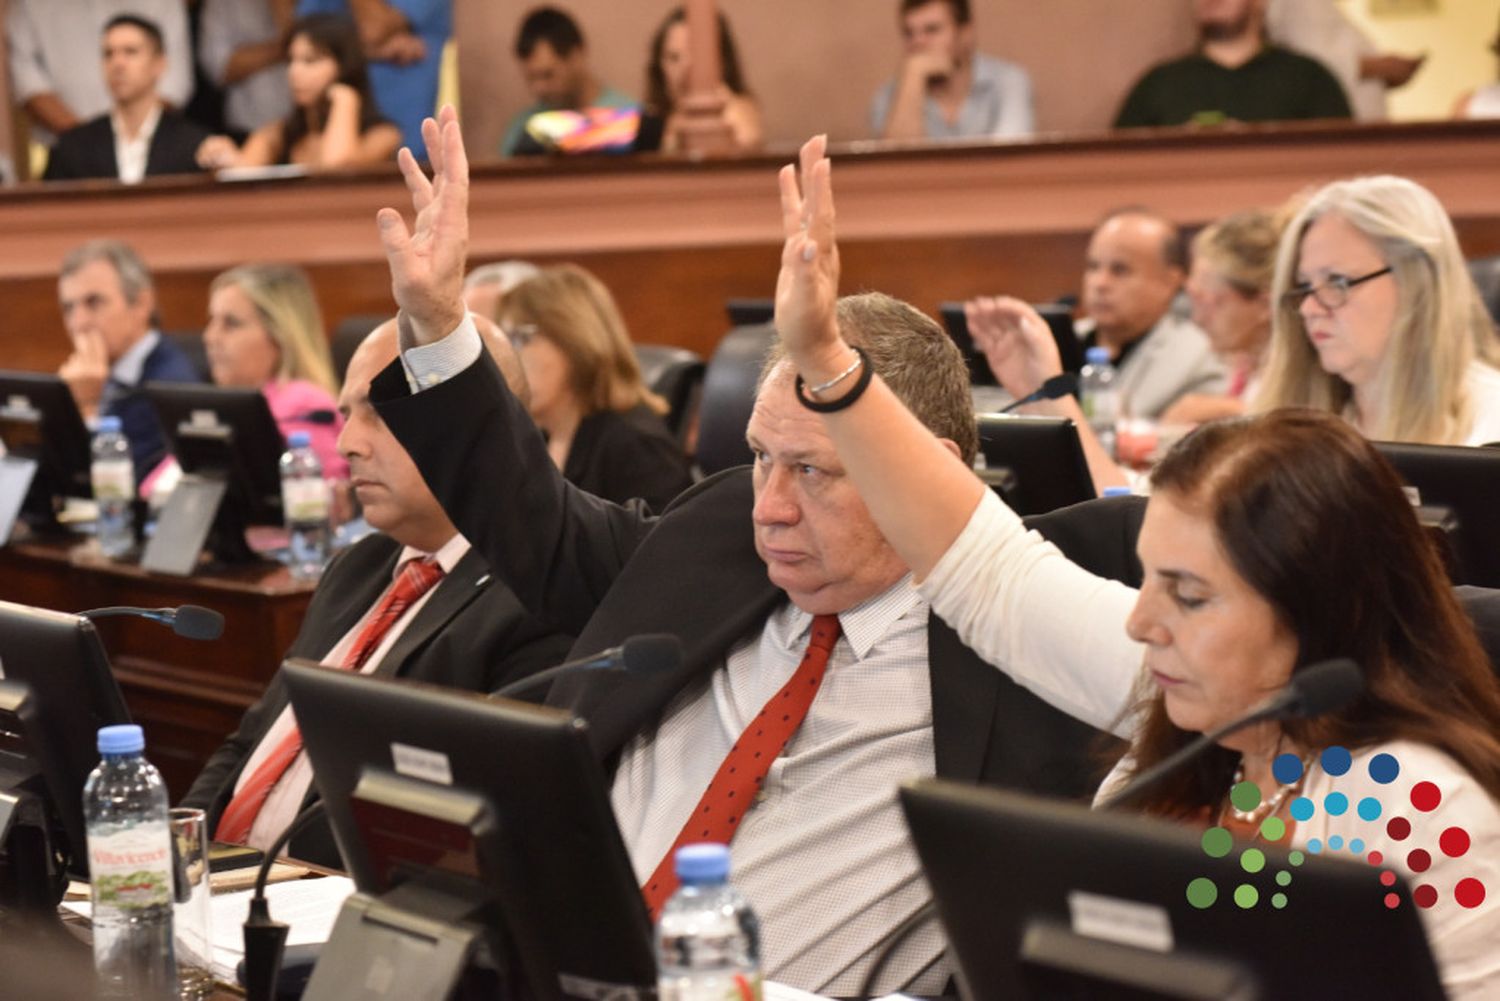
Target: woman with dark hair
point(334, 122)
point(1268, 544)
point(667, 83)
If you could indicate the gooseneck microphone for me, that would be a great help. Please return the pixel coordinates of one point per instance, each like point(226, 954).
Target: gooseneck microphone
point(1316, 689)
point(1054, 388)
point(648, 653)
point(192, 621)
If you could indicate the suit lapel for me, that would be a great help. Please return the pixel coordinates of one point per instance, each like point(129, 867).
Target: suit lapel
point(470, 576)
point(964, 695)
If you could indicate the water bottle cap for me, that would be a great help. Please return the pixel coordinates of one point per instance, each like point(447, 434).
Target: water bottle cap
point(703, 863)
point(126, 738)
point(299, 439)
point(1117, 492)
point(108, 423)
point(1097, 355)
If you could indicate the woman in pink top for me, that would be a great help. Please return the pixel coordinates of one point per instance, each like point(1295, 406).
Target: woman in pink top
point(265, 332)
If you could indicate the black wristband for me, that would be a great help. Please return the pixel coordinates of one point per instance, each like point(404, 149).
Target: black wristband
point(866, 373)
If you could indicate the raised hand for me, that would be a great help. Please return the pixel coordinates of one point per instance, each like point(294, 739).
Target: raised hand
point(427, 261)
point(807, 288)
point(1016, 342)
point(85, 372)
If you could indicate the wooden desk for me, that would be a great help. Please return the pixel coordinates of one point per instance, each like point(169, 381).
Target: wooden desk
point(187, 694)
point(673, 238)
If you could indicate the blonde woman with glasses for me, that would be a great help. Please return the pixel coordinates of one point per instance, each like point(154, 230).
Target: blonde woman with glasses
point(1377, 319)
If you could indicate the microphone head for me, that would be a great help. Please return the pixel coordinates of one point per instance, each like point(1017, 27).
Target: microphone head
point(1324, 687)
point(650, 653)
point(197, 623)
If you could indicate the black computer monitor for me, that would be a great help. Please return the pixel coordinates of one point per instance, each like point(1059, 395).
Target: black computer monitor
point(750, 312)
point(1059, 321)
point(1458, 489)
point(1045, 899)
point(1036, 464)
point(230, 435)
point(58, 692)
point(570, 914)
point(40, 422)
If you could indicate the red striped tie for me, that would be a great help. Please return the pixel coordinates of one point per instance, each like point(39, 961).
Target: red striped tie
point(414, 579)
point(733, 787)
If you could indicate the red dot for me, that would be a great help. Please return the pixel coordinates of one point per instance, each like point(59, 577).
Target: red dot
point(1418, 860)
point(1388, 878)
point(1374, 858)
point(1398, 828)
point(1425, 796)
point(1469, 892)
point(1454, 842)
point(1425, 896)
point(1392, 901)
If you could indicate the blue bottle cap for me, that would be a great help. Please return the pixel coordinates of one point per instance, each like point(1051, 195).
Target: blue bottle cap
point(1097, 355)
point(1117, 492)
point(108, 423)
point(124, 738)
point(299, 439)
point(703, 863)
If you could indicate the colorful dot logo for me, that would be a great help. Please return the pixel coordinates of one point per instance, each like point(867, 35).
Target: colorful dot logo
point(1368, 811)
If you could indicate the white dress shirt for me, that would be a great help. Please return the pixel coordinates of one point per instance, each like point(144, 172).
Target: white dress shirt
point(285, 799)
point(131, 152)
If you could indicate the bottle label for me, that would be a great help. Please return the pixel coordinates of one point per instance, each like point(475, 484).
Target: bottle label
point(305, 498)
point(113, 479)
point(132, 869)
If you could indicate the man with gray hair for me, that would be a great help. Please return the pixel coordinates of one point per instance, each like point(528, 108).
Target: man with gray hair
point(109, 309)
point(487, 283)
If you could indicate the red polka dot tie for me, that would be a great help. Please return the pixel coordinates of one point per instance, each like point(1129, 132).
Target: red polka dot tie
point(734, 786)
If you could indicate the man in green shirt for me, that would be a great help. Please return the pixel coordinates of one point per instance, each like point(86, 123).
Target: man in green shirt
point(1234, 75)
point(555, 65)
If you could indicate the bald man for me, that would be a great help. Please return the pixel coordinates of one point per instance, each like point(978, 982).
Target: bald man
point(464, 628)
point(1135, 267)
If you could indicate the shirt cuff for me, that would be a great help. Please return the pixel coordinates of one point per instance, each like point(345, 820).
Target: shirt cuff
point(427, 365)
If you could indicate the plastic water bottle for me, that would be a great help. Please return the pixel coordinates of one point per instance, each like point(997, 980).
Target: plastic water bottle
point(305, 501)
point(113, 477)
point(130, 869)
point(708, 940)
point(1099, 396)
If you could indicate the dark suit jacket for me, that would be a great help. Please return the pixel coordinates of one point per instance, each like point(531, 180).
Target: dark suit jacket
point(472, 634)
point(621, 456)
point(165, 363)
point(606, 572)
point(88, 150)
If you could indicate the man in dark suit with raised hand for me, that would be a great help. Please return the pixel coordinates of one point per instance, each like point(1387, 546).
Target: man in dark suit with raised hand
point(414, 601)
point(140, 136)
point(781, 589)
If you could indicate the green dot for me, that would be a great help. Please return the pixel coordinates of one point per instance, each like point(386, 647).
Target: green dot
point(1278, 900)
point(1252, 860)
point(1283, 878)
point(1273, 829)
point(1296, 858)
point(1202, 892)
point(1246, 895)
point(1217, 842)
point(1245, 796)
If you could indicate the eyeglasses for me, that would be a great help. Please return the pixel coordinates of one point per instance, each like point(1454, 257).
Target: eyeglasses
point(521, 334)
point(1332, 292)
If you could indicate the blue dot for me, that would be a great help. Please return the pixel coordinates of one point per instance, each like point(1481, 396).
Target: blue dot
point(1357, 846)
point(1302, 809)
point(1335, 803)
point(1314, 846)
point(1336, 842)
point(1384, 768)
point(1369, 808)
point(1287, 768)
point(1336, 760)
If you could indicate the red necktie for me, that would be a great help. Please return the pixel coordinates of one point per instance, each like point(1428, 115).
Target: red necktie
point(733, 788)
point(414, 579)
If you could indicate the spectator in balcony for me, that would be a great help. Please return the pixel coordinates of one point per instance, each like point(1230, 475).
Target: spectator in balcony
point(667, 79)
